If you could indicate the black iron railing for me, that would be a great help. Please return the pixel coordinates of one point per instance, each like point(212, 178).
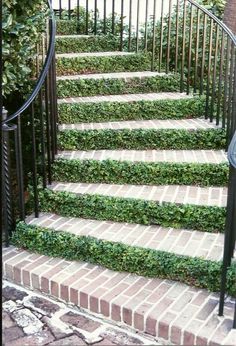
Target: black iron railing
point(29, 136)
point(230, 228)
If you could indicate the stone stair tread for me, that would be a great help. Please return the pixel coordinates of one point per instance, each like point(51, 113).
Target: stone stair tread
point(184, 194)
point(113, 75)
point(182, 124)
point(172, 156)
point(74, 36)
point(93, 54)
point(191, 243)
point(160, 307)
point(127, 97)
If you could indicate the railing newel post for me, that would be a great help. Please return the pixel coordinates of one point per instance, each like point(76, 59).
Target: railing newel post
point(7, 208)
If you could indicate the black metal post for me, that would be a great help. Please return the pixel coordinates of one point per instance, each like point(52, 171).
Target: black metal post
point(7, 207)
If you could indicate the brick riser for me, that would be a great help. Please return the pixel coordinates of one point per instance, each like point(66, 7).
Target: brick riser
point(169, 310)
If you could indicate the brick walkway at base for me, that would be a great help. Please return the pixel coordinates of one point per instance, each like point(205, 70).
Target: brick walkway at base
point(183, 124)
point(114, 75)
point(173, 156)
point(170, 310)
point(33, 319)
point(179, 241)
point(127, 98)
point(208, 196)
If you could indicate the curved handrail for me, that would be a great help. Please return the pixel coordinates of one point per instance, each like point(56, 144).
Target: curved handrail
point(232, 151)
point(217, 20)
point(43, 73)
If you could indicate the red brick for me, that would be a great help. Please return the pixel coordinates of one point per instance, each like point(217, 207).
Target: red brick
point(35, 281)
point(151, 326)
point(84, 300)
point(189, 339)
point(26, 278)
point(74, 296)
point(158, 293)
point(105, 308)
point(138, 321)
point(54, 289)
point(64, 293)
point(93, 303)
point(133, 289)
point(175, 335)
point(201, 341)
point(44, 284)
point(127, 316)
point(115, 312)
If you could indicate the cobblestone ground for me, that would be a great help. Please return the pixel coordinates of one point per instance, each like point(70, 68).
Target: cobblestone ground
point(32, 319)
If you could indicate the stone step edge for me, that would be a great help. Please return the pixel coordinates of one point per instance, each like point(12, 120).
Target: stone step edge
point(147, 97)
point(162, 308)
point(74, 36)
point(93, 54)
point(119, 156)
point(196, 124)
point(115, 75)
point(180, 242)
point(163, 195)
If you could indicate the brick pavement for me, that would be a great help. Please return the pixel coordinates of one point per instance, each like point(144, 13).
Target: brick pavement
point(179, 241)
point(183, 124)
point(127, 97)
point(175, 156)
point(168, 310)
point(114, 75)
point(195, 195)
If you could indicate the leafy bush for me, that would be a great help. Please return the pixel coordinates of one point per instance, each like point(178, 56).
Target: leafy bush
point(23, 21)
point(109, 111)
point(138, 173)
point(91, 87)
point(103, 64)
point(142, 139)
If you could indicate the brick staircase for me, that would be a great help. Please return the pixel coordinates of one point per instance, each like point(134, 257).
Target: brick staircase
point(132, 226)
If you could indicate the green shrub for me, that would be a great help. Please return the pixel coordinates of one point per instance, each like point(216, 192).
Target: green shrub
point(136, 110)
point(142, 139)
point(121, 257)
point(138, 173)
point(91, 87)
point(202, 218)
point(101, 43)
point(23, 22)
point(103, 64)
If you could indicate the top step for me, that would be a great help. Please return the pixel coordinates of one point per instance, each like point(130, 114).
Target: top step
point(93, 54)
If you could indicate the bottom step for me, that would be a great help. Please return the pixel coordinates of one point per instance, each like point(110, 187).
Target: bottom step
point(173, 311)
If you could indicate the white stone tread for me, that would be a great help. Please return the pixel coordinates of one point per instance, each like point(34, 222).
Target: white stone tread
point(127, 97)
point(93, 54)
point(179, 241)
point(74, 36)
point(172, 156)
point(114, 75)
point(180, 194)
point(183, 124)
